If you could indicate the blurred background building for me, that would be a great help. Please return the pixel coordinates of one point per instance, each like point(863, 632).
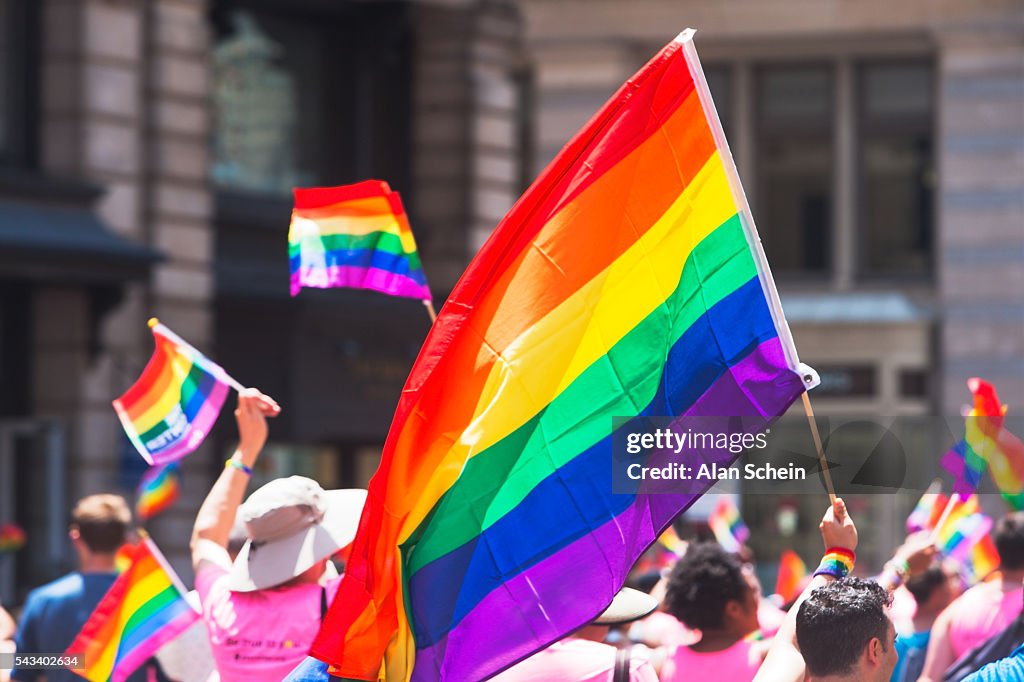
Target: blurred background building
point(148, 149)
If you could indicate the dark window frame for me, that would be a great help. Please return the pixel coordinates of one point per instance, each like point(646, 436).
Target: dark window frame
point(864, 126)
point(763, 130)
point(323, 15)
point(22, 71)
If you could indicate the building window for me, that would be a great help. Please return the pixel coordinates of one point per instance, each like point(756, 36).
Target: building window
point(853, 381)
point(5, 60)
point(719, 83)
point(18, 81)
point(258, 143)
point(793, 162)
point(786, 126)
point(310, 94)
point(897, 174)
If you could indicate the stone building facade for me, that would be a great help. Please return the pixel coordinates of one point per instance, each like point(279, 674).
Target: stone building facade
point(147, 148)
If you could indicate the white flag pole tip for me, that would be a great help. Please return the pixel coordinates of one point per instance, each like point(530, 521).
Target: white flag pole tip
point(686, 36)
point(810, 376)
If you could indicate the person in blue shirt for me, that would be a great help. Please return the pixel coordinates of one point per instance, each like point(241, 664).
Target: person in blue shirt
point(55, 613)
point(933, 590)
point(1009, 669)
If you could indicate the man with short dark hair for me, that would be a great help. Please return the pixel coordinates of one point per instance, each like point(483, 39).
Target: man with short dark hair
point(56, 612)
point(933, 590)
point(844, 632)
point(708, 591)
point(984, 610)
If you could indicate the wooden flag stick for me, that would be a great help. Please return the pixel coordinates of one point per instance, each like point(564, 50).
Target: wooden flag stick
point(430, 311)
point(821, 451)
point(953, 499)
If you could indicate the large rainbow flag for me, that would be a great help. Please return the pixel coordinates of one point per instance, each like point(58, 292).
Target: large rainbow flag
point(354, 236)
point(627, 281)
point(144, 609)
point(174, 404)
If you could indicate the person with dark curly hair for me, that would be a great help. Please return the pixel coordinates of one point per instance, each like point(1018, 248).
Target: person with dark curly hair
point(845, 632)
point(708, 591)
point(984, 610)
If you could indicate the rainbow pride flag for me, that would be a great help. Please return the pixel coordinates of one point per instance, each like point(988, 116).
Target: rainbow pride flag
point(1007, 467)
point(12, 538)
point(792, 573)
point(354, 236)
point(967, 460)
point(983, 560)
point(627, 281)
point(158, 490)
point(929, 508)
point(727, 525)
point(174, 404)
point(957, 539)
point(144, 609)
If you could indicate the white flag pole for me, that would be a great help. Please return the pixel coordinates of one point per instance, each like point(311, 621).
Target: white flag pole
point(159, 328)
point(764, 273)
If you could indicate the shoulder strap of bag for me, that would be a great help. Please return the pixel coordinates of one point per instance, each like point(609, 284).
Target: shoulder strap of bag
point(621, 673)
point(323, 603)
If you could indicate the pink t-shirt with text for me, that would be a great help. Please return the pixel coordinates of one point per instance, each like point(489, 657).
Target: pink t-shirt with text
point(738, 663)
point(980, 612)
point(259, 636)
point(574, 660)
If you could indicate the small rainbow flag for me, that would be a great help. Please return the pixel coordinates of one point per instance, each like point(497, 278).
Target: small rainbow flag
point(958, 538)
point(158, 490)
point(627, 281)
point(173, 405)
point(727, 525)
point(792, 573)
point(671, 541)
point(354, 236)
point(983, 560)
point(12, 538)
point(966, 461)
point(1007, 467)
point(928, 509)
point(144, 609)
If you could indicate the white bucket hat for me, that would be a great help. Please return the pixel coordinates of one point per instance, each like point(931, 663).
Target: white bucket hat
point(627, 606)
point(291, 524)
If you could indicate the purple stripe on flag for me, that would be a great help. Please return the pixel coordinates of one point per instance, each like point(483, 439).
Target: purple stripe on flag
point(534, 608)
point(134, 659)
point(355, 277)
point(197, 430)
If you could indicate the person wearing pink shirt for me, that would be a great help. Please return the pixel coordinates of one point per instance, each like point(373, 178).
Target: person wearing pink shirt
point(583, 657)
point(263, 610)
point(708, 591)
point(985, 609)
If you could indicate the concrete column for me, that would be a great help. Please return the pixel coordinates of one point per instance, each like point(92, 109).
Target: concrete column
point(980, 246)
point(178, 215)
point(466, 155)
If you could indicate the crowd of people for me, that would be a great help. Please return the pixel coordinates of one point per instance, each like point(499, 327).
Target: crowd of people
point(265, 576)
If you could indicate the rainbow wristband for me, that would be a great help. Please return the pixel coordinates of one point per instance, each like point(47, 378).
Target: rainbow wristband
point(837, 562)
point(235, 464)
